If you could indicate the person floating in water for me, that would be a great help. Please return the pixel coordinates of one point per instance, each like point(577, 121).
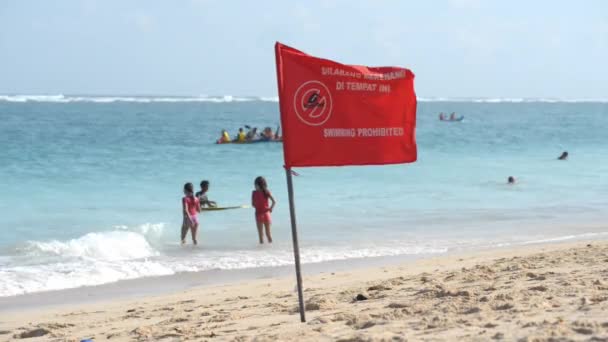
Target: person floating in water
point(564, 156)
point(267, 134)
point(190, 209)
point(202, 196)
point(241, 136)
point(259, 200)
point(252, 134)
point(441, 116)
point(224, 138)
point(511, 180)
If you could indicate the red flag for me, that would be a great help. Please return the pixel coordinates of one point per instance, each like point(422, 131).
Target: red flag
point(334, 114)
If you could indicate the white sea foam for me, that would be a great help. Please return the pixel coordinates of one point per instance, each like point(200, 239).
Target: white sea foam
point(134, 99)
point(57, 276)
point(230, 98)
point(510, 100)
point(566, 238)
point(124, 253)
point(142, 251)
point(269, 99)
point(106, 246)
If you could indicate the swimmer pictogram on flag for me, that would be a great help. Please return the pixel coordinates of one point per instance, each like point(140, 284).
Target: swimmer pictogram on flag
point(334, 114)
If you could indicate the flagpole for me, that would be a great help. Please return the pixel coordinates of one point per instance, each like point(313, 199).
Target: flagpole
point(296, 247)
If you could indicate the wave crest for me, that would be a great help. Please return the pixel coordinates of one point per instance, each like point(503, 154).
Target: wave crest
point(105, 246)
point(132, 99)
point(230, 99)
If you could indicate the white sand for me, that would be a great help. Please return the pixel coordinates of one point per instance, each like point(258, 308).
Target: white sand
point(547, 292)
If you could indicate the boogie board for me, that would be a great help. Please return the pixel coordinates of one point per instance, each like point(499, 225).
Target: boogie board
point(458, 119)
point(224, 208)
point(250, 142)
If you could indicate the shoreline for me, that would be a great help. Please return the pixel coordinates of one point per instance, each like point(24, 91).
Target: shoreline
point(267, 303)
point(130, 289)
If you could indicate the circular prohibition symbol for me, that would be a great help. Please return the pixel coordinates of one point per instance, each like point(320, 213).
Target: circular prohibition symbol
point(312, 103)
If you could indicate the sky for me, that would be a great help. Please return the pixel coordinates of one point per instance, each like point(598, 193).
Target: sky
point(456, 48)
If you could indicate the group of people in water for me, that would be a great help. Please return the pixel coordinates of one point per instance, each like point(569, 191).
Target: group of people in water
point(261, 200)
point(443, 117)
point(267, 134)
point(563, 156)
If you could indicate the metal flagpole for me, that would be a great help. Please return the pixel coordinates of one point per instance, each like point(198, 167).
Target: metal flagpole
point(296, 248)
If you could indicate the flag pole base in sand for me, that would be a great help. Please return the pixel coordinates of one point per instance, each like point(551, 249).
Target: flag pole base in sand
point(296, 247)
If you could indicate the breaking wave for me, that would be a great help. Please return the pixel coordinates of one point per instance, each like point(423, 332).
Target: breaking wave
point(132, 99)
point(128, 253)
point(509, 100)
point(230, 99)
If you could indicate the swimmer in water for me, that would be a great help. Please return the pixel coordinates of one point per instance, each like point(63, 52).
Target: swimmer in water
point(564, 156)
point(511, 180)
point(252, 134)
point(267, 134)
point(224, 137)
point(202, 196)
point(240, 137)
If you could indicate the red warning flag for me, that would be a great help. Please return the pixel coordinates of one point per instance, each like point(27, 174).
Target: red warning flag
point(334, 114)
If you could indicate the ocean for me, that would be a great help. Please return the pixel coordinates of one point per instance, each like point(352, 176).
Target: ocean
point(91, 186)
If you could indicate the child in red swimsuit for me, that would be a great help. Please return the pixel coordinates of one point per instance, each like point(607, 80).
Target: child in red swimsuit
point(190, 208)
point(259, 200)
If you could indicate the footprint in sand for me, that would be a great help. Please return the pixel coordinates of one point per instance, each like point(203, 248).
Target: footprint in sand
point(583, 331)
point(379, 287)
point(505, 306)
point(167, 308)
point(37, 332)
point(471, 311)
point(114, 335)
point(540, 288)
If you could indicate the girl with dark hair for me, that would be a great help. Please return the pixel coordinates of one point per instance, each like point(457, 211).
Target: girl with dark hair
point(259, 200)
point(190, 208)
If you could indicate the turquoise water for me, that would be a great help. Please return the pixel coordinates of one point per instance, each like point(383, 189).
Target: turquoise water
point(91, 187)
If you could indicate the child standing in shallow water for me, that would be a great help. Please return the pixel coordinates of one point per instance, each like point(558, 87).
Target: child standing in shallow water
point(190, 208)
point(259, 200)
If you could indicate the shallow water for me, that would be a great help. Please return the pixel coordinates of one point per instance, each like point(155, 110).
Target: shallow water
point(91, 187)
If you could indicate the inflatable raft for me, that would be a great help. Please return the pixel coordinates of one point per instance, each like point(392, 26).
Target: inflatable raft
point(257, 141)
point(458, 119)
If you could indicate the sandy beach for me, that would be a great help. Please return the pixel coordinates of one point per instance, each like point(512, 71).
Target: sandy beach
point(536, 292)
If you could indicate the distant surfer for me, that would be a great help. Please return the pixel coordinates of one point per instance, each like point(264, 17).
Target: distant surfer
point(511, 180)
point(190, 209)
point(202, 196)
point(453, 116)
point(441, 116)
point(564, 156)
point(259, 200)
